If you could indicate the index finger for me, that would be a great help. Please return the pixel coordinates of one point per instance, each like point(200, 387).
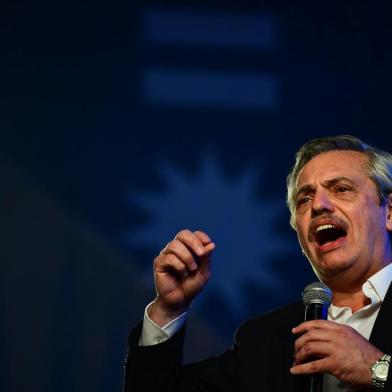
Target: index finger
point(204, 237)
point(191, 241)
point(314, 324)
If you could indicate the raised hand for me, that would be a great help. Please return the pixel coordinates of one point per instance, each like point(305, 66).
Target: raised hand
point(181, 271)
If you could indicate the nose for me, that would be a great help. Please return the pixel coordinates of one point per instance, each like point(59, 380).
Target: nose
point(321, 202)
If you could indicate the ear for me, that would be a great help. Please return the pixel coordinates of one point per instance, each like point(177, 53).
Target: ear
point(389, 212)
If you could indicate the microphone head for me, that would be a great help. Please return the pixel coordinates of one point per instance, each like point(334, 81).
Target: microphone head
point(317, 293)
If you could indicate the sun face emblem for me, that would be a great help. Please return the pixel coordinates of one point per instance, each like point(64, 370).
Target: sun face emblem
point(228, 210)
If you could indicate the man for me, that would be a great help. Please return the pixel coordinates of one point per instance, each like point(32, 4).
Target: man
point(340, 199)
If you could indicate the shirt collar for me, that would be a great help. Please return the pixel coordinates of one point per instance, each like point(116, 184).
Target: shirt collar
point(381, 281)
point(377, 285)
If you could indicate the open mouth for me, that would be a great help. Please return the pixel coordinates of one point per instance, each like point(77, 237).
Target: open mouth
point(328, 233)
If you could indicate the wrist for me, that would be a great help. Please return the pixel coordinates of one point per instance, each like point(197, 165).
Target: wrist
point(380, 372)
point(161, 314)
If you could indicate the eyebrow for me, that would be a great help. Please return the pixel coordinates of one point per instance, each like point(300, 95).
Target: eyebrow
point(333, 181)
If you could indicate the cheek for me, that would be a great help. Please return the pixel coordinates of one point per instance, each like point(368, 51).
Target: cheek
point(376, 224)
point(370, 224)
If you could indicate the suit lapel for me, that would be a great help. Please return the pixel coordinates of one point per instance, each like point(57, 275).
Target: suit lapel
point(381, 335)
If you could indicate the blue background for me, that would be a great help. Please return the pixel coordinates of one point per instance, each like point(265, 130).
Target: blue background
point(124, 122)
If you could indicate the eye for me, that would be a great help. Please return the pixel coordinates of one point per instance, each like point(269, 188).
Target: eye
point(342, 189)
point(303, 200)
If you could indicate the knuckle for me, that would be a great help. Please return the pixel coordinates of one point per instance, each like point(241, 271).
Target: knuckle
point(313, 366)
point(310, 333)
point(173, 245)
point(343, 333)
point(201, 234)
point(183, 234)
point(307, 349)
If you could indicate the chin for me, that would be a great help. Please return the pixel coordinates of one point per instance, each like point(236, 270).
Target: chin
point(331, 266)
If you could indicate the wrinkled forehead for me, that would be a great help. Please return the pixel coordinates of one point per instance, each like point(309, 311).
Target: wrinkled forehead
point(333, 164)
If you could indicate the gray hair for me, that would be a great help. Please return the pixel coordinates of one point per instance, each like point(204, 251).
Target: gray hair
point(379, 164)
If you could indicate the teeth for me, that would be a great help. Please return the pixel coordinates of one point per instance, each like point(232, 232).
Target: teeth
point(323, 227)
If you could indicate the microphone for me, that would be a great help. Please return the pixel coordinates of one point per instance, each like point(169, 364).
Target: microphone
point(317, 298)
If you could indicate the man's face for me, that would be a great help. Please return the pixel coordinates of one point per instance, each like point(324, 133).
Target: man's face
point(340, 223)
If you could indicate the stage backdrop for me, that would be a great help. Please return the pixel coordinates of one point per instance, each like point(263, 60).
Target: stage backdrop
point(122, 124)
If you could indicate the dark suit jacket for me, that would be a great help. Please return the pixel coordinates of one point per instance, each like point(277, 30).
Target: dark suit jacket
point(259, 360)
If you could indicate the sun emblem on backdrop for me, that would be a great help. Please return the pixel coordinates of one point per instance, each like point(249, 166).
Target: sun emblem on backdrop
point(228, 210)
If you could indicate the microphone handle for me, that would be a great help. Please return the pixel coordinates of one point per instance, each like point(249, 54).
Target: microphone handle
point(316, 312)
point(316, 382)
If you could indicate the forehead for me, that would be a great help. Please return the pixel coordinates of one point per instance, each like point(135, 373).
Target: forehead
point(327, 165)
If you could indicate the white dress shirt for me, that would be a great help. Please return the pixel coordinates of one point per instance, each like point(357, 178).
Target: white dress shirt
point(362, 321)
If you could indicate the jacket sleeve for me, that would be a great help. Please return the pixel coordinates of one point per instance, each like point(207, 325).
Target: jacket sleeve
point(159, 368)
